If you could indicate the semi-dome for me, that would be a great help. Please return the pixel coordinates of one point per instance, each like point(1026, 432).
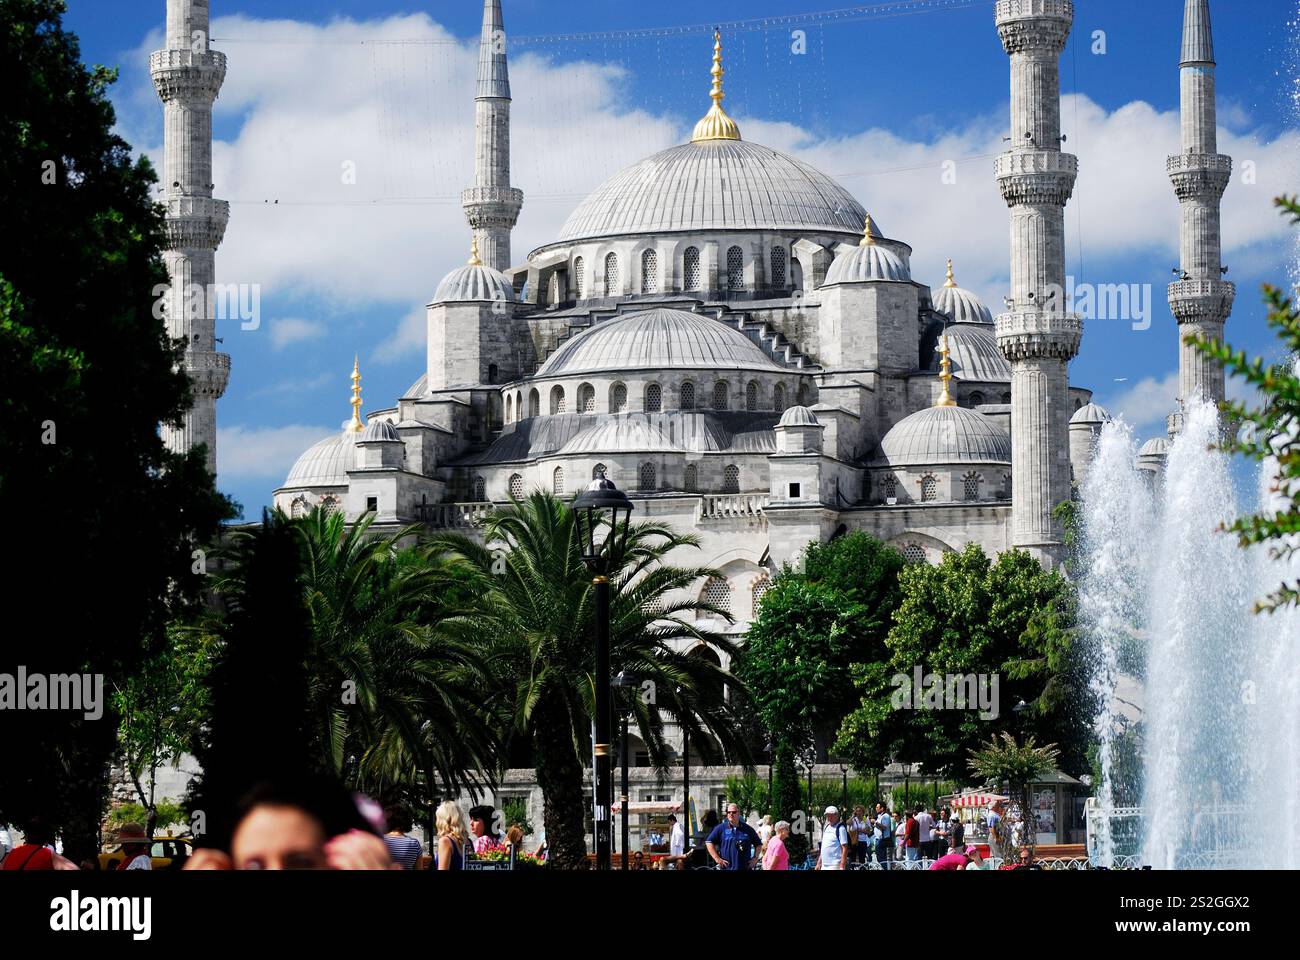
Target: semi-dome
point(1090, 413)
point(975, 354)
point(798, 417)
point(657, 339)
point(1155, 447)
point(959, 304)
point(326, 464)
point(380, 431)
point(867, 261)
point(715, 185)
point(474, 281)
point(944, 434)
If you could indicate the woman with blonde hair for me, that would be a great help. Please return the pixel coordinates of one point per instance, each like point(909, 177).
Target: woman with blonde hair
point(452, 836)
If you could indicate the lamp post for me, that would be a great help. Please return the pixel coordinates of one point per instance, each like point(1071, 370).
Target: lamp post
point(625, 681)
point(1027, 839)
point(686, 777)
point(602, 505)
point(844, 772)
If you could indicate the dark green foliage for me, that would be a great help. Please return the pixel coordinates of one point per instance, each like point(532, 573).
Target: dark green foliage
point(1274, 427)
point(107, 519)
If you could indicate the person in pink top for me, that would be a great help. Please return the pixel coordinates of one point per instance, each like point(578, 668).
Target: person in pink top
point(951, 861)
point(776, 857)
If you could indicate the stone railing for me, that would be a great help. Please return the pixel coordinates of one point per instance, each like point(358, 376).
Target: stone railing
point(453, 516)
point(736, 506)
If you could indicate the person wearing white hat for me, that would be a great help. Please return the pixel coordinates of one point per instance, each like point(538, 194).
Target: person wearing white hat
point(135, 847)
point(835, 843)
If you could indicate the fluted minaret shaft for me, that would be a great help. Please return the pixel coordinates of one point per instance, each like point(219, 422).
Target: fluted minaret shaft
point(1037, 336)
point(1200, 299)
point(188, 75)
point(492, 205)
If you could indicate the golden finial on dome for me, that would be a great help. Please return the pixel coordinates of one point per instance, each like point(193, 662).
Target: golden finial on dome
point(474, 261)
point(716, 125)
point(945, 376)
point(356, 426)
point(868, 234)
point(950, 282)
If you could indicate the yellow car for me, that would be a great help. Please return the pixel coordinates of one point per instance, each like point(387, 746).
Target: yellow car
point(166, 853)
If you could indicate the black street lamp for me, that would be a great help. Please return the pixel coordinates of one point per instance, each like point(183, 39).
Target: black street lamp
point(686, 778)
point(626, 680)
point(602, 508)
point(844, 802)
point(1021, 710)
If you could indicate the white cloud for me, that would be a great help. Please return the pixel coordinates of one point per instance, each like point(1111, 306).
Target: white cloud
point(262, 453)
point(290, 330)
point(409, 339)
point(1145, 404)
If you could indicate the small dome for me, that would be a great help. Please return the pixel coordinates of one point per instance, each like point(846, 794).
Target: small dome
point(1155, 447)
point(474, 281)
point(1091, 413)
point(799, 417)
point(325, 464)
point(959, 304)
point(940, 435)
point(657, 340)
point(380, 431)
point(975, 356)
point(869, 261)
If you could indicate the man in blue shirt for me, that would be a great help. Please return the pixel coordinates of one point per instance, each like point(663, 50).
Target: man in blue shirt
point(733, 845)
point(884, 837)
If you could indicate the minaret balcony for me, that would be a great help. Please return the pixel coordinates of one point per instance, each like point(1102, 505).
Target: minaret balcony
point(1036, 176)
point(492, 206)
point(1034, 25)
point(1199, 176)
point(209, 372)
point(1038, 334)
point(1201, 301)
point(186, 75)
point(195, 223)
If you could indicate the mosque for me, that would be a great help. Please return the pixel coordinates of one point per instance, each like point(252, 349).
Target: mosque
point(729, 336)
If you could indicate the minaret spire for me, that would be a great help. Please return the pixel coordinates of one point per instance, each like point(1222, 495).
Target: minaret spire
point(716, 125)
point(1036, 335)
point(356, 426)
point(1200, 299)
point(187, 75)
point(492, 205)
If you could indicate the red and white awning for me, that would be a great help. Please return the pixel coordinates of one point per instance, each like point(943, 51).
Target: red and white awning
point(978, 799)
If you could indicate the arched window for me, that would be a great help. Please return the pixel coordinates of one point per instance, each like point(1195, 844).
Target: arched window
point(646, 477)
point(654, 398)
point(599, 470)
point(735, 268)
point(717, 593)
point(492, 373)
point(802, 396)
point(553, 289)
point(751, 395)
point(586, 398)
point(691, 268)
point(890, 487)
point(510, 408)
point(761, 586)
point(970, 485)
point(579, 281)
point(480, 489)
point(516, 486)
point(534, 403)
point(611, 275)
point(731, 479)
point(330, 505)
point(557, 482)
point(778, 398)
point(618, 398)
point(690, 480)
point(929, 489)
point(299, 507)
point(720, 395)
point(778, 268)
point(1006, 487)
point(976, 398)
point(686, 396)
point(649, 272)
point(557, 399)
point(913, 552)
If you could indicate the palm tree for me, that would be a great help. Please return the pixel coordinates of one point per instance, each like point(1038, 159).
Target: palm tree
point(533, 608)
point(1017, 764)
point(389, 697)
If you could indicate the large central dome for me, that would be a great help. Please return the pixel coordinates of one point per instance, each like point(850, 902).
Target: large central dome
point(715, 185)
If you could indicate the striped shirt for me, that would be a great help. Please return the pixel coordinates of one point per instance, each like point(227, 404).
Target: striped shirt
point(403, 850)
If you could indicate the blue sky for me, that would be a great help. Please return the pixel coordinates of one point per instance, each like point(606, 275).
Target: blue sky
point(878, 102)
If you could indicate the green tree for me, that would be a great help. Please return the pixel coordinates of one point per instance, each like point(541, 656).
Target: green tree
point(1007, 619)
point(532, 609)
point(1275, 428)
point(89, 374)
point(1003, 760)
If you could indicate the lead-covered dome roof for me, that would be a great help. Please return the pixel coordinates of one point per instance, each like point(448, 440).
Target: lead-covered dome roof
point(474, 281)
point(715, 185)
point(973, 348)
point(657, 339)
point(326, 463)
point(940, 435)
point(959, 304)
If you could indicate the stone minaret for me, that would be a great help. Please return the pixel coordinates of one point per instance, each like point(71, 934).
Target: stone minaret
point(1200, 299)
point(187, 75)
point(492, 205)
point(1037, 335)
